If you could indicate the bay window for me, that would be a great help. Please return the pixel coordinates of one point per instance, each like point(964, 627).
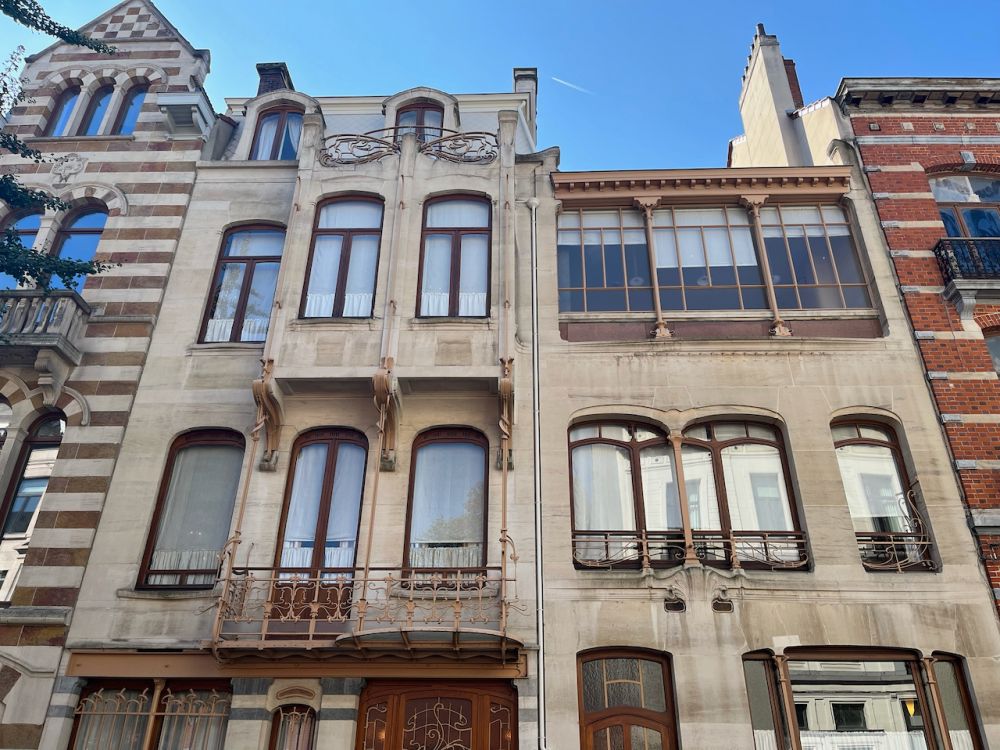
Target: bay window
point(344, 259)
point(194, 510)
point(277, 135)
point(243, 290)
point(455, 258)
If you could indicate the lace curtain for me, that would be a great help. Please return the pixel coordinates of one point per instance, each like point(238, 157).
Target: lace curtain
point(265, 136)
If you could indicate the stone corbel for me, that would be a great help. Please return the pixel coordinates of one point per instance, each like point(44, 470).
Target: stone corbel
point(269, 417)
point(389, 408)
point(52, 373)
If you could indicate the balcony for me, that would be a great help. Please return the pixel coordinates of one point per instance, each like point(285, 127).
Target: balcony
point(971, 270)
point(755, 550)
point(33, 321)
point(360, 148)
point(457, 614)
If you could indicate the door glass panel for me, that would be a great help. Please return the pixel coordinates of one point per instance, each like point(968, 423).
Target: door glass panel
point(438, 724)
point(612, 738)
point(645, 738)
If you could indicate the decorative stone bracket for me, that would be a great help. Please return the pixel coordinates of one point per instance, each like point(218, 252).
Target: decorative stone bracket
point(388, 404)
point(269, 416)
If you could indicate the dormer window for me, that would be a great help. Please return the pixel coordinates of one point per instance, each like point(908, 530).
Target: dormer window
point(59, 120)
point(423, 118)
point(277, 136)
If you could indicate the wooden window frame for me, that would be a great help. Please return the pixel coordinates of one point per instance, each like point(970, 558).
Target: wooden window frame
point(423, 132)
point(250, 261)
point(32, 441)
point(345, 255)
point(956, 211)
point(332, 437)
point(126, 103)
point(276, 719)
point(283, 110)
point(456, 234)
point(88, 114)
point(57, 111)
point(665, 722)
point(192, 439)
point(454, 434)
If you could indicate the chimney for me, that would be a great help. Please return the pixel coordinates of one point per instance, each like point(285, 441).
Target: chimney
point(273, 77)
point(526, 81)
point(793, 82)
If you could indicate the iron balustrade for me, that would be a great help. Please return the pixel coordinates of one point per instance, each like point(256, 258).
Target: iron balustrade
point(450, 145)
point(968, 258)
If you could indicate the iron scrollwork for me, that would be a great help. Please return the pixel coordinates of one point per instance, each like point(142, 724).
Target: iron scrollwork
point(464, 148)
point(358, 148)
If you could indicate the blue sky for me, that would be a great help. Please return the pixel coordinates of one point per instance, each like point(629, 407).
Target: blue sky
point(663, 77)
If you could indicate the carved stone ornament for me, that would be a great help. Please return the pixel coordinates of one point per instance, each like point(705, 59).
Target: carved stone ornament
point(67, 167)
point(269, 415)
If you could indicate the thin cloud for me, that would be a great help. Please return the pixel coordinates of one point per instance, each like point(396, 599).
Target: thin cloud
point(573, 86)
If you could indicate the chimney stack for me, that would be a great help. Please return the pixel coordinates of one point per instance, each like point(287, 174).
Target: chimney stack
point(793, 82)
point(273, 77)
point(526, 81)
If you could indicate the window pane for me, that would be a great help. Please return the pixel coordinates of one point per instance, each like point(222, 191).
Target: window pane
point(611, 738)
point(296, 728)
point(800, 255)
point(446, 516)
point(434, 293)
point(720, 257)
point(982, 222)
point(993, 344)
point(959, 722)
point(693, 217)
point(761, 716)
point(954, 189)
point(848, 267)
point(96, 111)
point(360, 290)
point(659, 488)
point(569, 261)
point(755, 488)
point(951, 225)
point(602, 488)
point(110, 718)
point(593, 685)
point(259, 301)
point(582, 433)
point(777, 256)
point(699, 483)
point(290, 136)
point(193, 720)
point(267, 131)
point(196, 513)
point(833, 215)
point(600, 218)
point(874, 490)
point(255, 243)
point(351, 215)
point(569, 219)
point(653, 693)
point(345, 506)
point(89, 220)
point(474, 275)
point(614, 263)
point(64, 109)
point(131, 109)
point(303, 506)
point(800, 215)
point(458, 214)
point(323, 276)
point(987, 189)
point(29, 223)
point(227, 297)
point(26, 500)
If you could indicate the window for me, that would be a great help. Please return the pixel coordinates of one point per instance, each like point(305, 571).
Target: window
point(954, 195)
point(293, 728)
point(344, 259)
point(277, 135)
point(243, 291)
point(626, 702)
point(131, 106)
point(78, 239)
point(423, 118)
point(117, 716)
point(627, 510)
point(194, 510)
point(993, 344)
point(61, 113)
point(889, 529)
point(880, 697)
point(96, 109)
point(26, 226)
point(38, 455)
point(319, 529)
point(6, 414)
point(455, 259)
point(447, 513)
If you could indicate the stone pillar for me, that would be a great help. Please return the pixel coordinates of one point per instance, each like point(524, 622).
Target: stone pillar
point(249, 719)
point(338, 714)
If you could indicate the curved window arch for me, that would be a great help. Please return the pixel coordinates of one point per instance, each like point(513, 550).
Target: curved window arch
point(626, 701)
point(343, 259)
point(78, 239)
point(447, 514)
point(96, 109)
point(890, 531)
point(319, 526)
point(194, 510)
point(277, 134)
point(293, 727)
point(455, 257)
point(58, 124)
point(131, 106)
point(424, 118)
point(735, 507)
point(969, 204)
point(243, 290)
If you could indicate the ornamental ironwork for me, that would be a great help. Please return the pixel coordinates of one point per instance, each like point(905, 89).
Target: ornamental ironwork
point(361, 148)
point(968, 258)
point(464, 148)
point(358, 148)
point(896, 551)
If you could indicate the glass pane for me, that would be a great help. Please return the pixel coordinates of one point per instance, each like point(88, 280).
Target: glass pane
point(96, 111)
point(729, 430)
point(954, 189)
point(848, 267)
point(713, 298)
point(844, 432)
point(323, 276)
point(569, 219)
point(267, 131)
point(259, 301)
point(25, 502)
point(769, 216)
point(290, 137)
point(761, 715)
point(856, 297)
point(624, 693)
point(593, 685)
point(474, 275)
point(602, 488)
point(227, 297)
point(611, 738)
point(659, 488)
point(28, 223)
point(800, 256)
point(692, 254)
point(112, 718)
point(614, 263)
point(720, 258)
point(432, 124)
point(874, 433)
point(693, 217)
point(582, 433)
point(663, 217)
point(755, 488)
point(737, 217)
point(304, 501)
point(131, 109)
point(436, 284)
point(600, 219)
point(351, 215)
point(822, 260)
point(654, 697)
point(616, 432)
point(993, 344)
point(874, 490)
point(89, 220)
point(64, 110)
point(296, 728)
point(360, 289)
point(987, 189)
point(800, 215)
point(777, 257)
point(982, 222)
point(820, 298)
point(636, 259)
point(193, 720)
point(955, 711)
point(951, 225)
point(698, 431)
point(572, 301)
point(761, 431)
point(606, 301)
point(458, 214)
point(569, 261)
point(345, 507)
point(833, 215)
point(699, 483)
point(254, 243)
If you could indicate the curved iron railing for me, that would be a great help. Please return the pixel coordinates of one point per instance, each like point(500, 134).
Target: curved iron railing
point(906, 549)
point(968, 258)
point(450, 145)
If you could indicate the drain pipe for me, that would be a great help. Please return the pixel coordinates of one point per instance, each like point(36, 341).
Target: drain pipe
point(532, 204)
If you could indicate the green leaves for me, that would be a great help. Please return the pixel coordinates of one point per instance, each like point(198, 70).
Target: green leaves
point(31, 14)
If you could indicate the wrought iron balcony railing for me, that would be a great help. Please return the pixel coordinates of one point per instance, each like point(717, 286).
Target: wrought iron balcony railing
point(968, 258)
point(456, 613)
point(769, 550)
point(909, 548)
point(449, 145)
point(32, 319)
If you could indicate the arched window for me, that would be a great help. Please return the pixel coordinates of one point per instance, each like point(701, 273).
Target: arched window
point(277, 134)
point(96, 109)
point(969, 204)
point(62, 112)
point(344, 259)
point(423, 118)
point(194, 510)
point(293, 728)
point(448, 500)
point(993, 344)
point(26, 226)
point(128, 114)
point(736, 505)
point(245, 279)
point(6, 414)
point(319, 526)
point(626, 701)
point(38, 455)
point(455, 258)
point(891, 534)
point(78, 239)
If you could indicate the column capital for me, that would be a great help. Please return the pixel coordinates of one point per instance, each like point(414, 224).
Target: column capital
point(646, 203)
point(753, 202)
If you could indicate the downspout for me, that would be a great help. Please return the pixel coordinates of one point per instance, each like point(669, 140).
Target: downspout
point(532, 204)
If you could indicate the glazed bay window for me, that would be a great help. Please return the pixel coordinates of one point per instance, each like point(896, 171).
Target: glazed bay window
point(735, 508)
point(455, 258)
point(344, 260)
point(243, 290)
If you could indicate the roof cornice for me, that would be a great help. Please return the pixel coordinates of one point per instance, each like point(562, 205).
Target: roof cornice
point(918, 93)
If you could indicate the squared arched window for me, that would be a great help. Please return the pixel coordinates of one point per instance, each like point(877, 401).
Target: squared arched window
point(344, 259)
point(194, 510)
point(62, 112)
point(455, 258)
point(96, 109)
point(423, 118)
point(277, 135)
point(448, 501)
point(128, 113)
point(243, 290)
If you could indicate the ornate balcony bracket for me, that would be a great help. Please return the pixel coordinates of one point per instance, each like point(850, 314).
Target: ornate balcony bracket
point(389, 408)
point(358, 148)
point(269, 417)
point(464, 148)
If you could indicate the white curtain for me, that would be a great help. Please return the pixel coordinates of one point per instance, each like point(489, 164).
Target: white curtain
point(458, 214)
point(265, 136)
point(194, 721)
point(474, 275)
point(197, 512)
point(220, 326)
point(351, 215)
point(259, 301)
point(874, 492)
point(436, 283)
point(602, 488)
point(303, 507)
point(755, 488)
point(293, 129)
point(360, 284)
point(112, 719)
point(323, 276)
point(345, 507)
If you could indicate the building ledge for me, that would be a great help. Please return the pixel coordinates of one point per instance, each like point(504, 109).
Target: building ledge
point(35, 615)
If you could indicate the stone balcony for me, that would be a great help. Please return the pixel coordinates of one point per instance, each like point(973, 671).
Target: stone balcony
point(36, 324)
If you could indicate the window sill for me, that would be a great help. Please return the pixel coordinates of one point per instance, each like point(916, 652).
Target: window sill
point(417, 322)
point(248, 163)
point(346, 324)
point(167, 594)
point(236, 347)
